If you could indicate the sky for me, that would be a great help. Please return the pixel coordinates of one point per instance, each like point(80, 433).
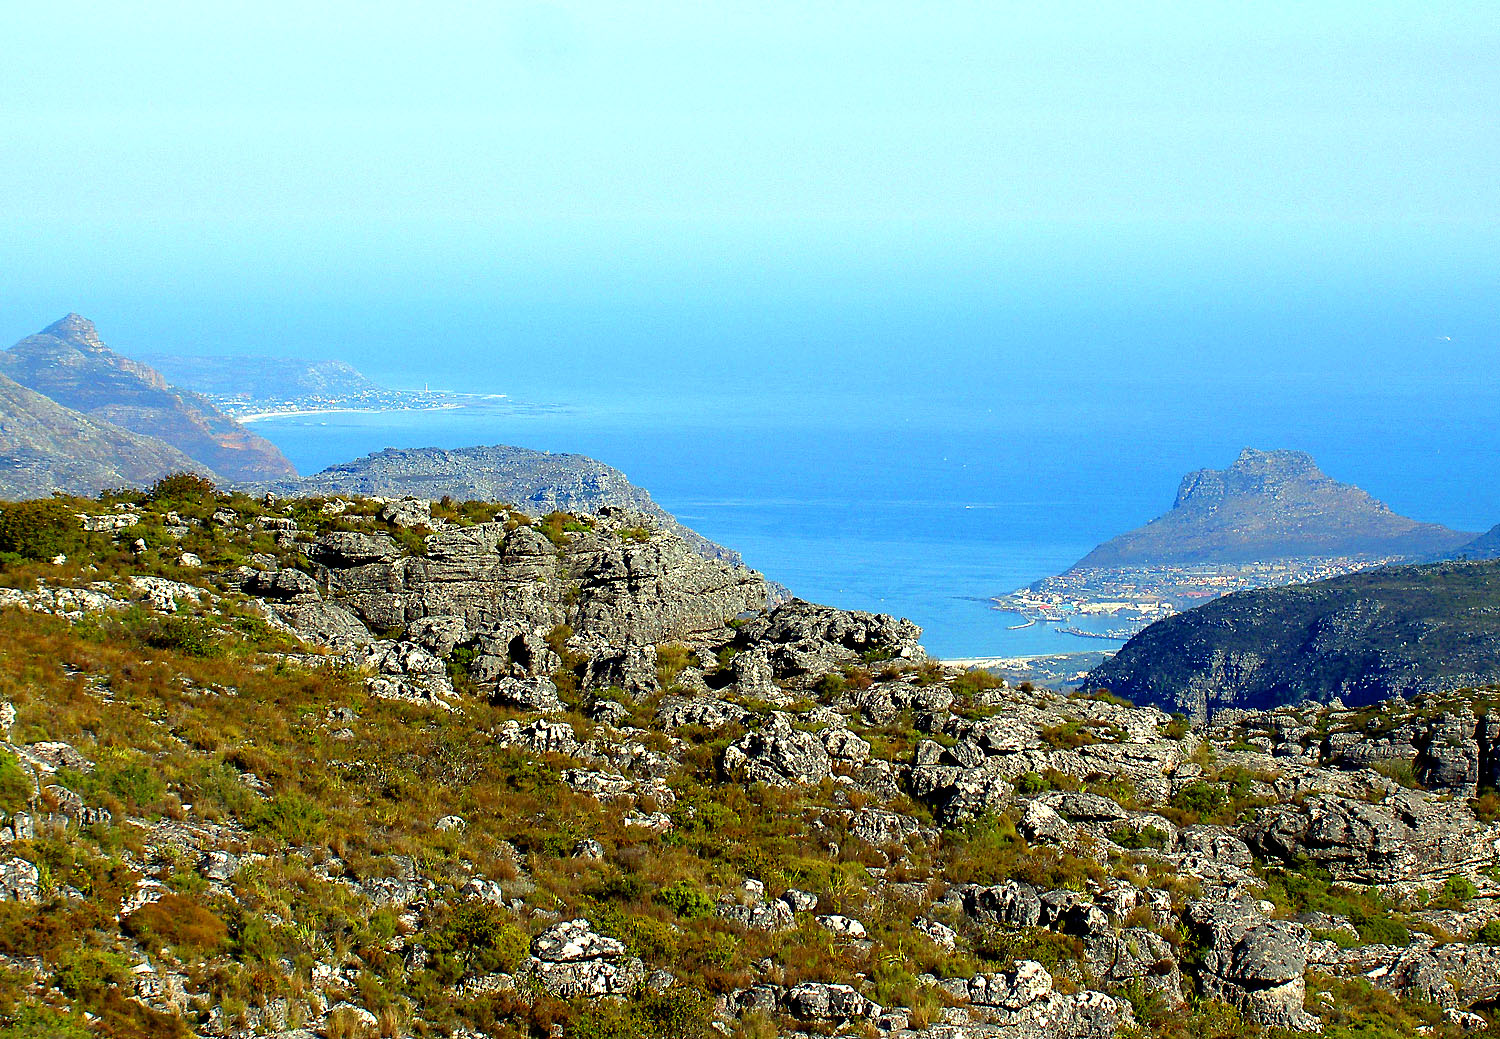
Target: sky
point(978, 200)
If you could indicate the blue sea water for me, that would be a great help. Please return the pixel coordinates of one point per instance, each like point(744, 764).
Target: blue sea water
point(927, 508)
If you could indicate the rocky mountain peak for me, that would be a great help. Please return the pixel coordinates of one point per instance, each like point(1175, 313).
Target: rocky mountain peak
point(1270, 505)
point(77, 330)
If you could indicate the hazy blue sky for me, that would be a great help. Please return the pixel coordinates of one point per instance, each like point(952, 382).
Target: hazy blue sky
point(897, 192)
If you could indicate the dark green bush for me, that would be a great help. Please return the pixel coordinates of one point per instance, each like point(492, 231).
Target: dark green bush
point(39, 529)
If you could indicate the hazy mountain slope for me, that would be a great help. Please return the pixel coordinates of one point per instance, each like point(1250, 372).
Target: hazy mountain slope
point(1395, 631)
point(45, 447)
point(1485, 546)
point(1268, 505)
point(536, 480)
point(68, 362)
point(262, 378)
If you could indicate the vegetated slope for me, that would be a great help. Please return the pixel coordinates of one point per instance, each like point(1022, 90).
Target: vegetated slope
point(1395, 631)
point(262, 378)
point(1270, 505)
point(538, 481)
point(68, 362)
point(45, 447)
point(454, 823)
point(1485, 546)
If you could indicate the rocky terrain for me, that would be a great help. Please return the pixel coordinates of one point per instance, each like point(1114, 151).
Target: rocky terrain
point(45, 447)
point(537, 480)
point(1270, 505)
point(1396, 631)
point(358, 767)
point(68, 363)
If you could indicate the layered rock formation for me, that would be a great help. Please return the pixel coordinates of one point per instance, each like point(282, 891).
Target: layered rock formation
point(68, 363)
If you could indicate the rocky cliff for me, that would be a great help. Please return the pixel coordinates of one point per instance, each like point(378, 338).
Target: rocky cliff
point(45, 447)
point(540, 481)
point(1396, 631)
point(69, 363)
point(1270, 505)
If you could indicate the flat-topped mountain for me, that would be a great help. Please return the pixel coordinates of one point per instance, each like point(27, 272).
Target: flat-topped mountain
point(537, 480)
point(69, 363)
point(1394, 631)
point(45, 447)
point(1270, 505)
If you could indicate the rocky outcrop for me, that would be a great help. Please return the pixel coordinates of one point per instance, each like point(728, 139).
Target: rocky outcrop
point(1254, 963)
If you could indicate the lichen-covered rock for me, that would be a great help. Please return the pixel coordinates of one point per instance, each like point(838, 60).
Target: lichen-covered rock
point(1253, 963)
point(20, 881)
point(779, 754)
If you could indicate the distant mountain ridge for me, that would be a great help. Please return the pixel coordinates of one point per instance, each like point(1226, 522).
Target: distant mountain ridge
point(1269, 505)
point(1393, 631)
point(69, 363)
point(1485, 546)
point(538, 480)
point(254, 377)
point(45, 447)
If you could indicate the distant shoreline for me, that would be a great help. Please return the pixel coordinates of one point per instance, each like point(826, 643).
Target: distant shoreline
point(260, 416)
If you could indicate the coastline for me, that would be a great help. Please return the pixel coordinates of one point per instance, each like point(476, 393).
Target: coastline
point(259, 416)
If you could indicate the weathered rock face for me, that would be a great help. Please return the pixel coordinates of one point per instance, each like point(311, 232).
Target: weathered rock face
point(503, 583)
point(779, 754)
point(1408, 836)
point(1254, 963)
point(570, 959)
point(801, 641)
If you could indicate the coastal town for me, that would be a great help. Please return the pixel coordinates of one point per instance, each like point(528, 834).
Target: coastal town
point(377, 398)
point(1130, 598)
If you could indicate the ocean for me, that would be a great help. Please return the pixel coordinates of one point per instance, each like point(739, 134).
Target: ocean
point(928, 508)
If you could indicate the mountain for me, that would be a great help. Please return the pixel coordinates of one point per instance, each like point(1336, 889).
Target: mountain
point(45, 447)
point(263, 378)
point(536, 480)
point(1394, 631)
point(68, 362)
point(1485, 546)
point(1270, 505)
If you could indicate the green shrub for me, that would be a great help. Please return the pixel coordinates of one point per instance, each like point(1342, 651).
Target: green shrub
point(182, 489)
point(474, 937)
point(1489, 934)
point(39, 529)
point(185, 634)
point(1030, 784)
point(686, 899)
point(1146, 837)
point(1458, 890)
point(16, 786)
point(1200, 798)
point(294, 818)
